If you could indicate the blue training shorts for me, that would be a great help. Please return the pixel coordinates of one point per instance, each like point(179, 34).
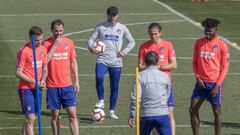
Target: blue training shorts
point(29, 100)
point(64, 96)
point(171, 99)
point(206, 94)
point(161, 123)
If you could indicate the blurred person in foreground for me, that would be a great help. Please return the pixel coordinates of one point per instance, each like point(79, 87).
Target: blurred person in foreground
point(154, 89)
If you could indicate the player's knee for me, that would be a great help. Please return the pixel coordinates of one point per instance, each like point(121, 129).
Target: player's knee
point(191, 110)
point(217, 112)
point(55, 115)
point(100, 78)
point(30, 120)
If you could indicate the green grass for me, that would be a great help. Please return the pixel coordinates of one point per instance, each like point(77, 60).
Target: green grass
point(16, 17)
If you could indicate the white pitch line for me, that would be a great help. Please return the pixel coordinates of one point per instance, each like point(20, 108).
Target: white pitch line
point(137, 39)
point(129, 24)
point(234, 45)
point(90, 75)
point(181, 58)
point(87, 14)
point(114, 126)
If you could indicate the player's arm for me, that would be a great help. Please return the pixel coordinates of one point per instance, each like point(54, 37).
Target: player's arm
point(53, 49)
point(93, 38)
point(141, 65)
point(130, 45)
point(22, 76)
point(44, 76)
point(195, 68)
point(132, 109)
point(74, 68)
point(225, 57)
point(171, 66)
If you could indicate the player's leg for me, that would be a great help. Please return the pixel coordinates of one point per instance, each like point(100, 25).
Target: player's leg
point(53, 104)
point(194, 114)
point(68, 100)
point(73, 122)
point(28, 125)
point(197, 99)
point(216, 107)
point(27, 98)
point(146, 125)
point(171, 113)
point(163, 125)
point(115, 74)
point(217, 119)
point(100, 71)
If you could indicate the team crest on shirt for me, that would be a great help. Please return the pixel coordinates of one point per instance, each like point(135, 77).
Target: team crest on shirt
point(119, 31)
point(161, 49)
point(65, 46)
point(41, 54)
point(215, 48)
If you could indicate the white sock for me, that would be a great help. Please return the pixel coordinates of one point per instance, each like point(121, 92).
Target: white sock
point(102, 101)
point(111, 111)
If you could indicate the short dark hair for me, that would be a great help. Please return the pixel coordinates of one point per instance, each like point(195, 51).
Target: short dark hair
point(210, 23)
point(155, 25)
point(151, 58)
point(112, 11)
point(56, 22)
point(35, 30)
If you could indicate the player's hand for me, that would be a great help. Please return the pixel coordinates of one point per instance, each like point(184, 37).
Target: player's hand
point(120, 54)
point(93, 50)
point(200, 84)
point(57, 41)
point(214, 90)
point(131, 122)
point(76, 88)
point(42, 85)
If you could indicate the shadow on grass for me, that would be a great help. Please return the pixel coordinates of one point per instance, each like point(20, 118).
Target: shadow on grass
point(224, 124)
point(82, 118)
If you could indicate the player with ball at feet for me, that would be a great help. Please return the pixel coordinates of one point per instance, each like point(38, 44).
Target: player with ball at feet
point(112, 33)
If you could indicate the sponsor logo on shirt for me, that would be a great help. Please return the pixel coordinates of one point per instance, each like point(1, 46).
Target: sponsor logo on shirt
point(39, 64)
point(60, 56)
point(111, 37)
point(161, 58)
point(207, 55)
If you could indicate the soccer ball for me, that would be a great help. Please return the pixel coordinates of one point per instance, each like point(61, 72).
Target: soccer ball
point(99, 46)
point(98, 115)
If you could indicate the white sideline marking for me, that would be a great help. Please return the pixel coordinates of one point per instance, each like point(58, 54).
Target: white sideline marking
point(114, 126)
point(234, 45)
point(173, 74)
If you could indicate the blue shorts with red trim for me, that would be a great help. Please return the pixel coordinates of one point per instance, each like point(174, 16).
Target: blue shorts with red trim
point(28, 100)
point(64, 96)
point(206, 94)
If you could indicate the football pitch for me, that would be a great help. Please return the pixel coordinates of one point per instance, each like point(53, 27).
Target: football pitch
point(180, 22)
